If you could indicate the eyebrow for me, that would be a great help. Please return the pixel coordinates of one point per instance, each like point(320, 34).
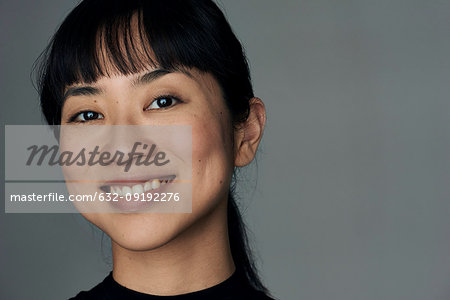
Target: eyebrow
point(155, 74)
point(81, 91)
point(141, 80)
point(150, 76)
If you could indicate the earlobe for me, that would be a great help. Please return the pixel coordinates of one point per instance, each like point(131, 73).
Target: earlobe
point(249, 133)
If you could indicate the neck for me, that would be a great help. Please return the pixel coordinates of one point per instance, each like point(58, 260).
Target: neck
point(197, 259)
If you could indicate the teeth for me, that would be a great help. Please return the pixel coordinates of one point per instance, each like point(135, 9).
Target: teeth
point(126, 190)
point(155, 184)
point(138, 188)
point(117, 190)
point(147, 186)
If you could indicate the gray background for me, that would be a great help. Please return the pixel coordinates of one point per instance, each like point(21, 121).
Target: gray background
point(351, 197)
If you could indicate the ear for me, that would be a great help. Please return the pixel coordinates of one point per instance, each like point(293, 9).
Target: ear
point(249, 133)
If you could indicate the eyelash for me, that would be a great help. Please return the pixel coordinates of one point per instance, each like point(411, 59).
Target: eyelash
point(73, 119)
point(175, 99)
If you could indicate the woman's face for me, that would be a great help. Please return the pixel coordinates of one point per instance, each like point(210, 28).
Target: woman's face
point(133, 100)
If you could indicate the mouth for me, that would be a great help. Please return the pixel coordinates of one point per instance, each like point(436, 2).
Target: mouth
point(124, 187)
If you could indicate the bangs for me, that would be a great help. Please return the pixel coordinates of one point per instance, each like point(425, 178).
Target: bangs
point(124, 39)
point(120, 47)
point(116, 37)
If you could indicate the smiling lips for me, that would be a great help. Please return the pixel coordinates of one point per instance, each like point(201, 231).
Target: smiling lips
point(124, 187)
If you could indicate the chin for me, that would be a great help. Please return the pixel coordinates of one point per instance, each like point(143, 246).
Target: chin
point(142, 232)
point(136, 242)
point(150, 231)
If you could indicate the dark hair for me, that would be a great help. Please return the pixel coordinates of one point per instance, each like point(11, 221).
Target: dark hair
point(101, 37)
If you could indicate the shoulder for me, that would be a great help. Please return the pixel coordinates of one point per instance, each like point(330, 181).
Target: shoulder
point(261, 296)
point(251, 293)
point(98, 292)
point(244, 289)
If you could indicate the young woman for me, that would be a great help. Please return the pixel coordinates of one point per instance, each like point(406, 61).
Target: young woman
point(200, 77)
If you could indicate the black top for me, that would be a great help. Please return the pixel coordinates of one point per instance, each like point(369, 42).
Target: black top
point(235, 287)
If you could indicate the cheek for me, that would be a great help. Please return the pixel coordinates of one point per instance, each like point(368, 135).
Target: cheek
point(212, 161)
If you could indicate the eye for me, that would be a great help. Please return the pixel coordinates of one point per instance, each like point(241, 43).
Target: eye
point(86, 116)
point(163, 102)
